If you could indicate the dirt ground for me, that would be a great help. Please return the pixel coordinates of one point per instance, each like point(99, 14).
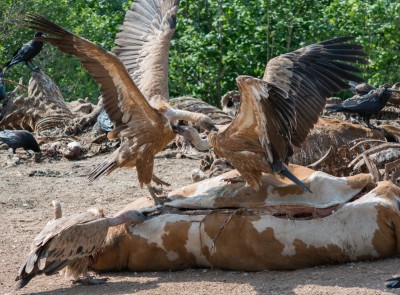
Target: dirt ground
point(26, 192)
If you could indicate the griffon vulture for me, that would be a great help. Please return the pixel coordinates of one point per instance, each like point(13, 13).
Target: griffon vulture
point(70, 242)
point(277, 112)
point(136, 96)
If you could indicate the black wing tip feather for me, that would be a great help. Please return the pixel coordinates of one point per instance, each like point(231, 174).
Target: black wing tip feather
point(337, 40)
point(39, 23)
point(22, 282)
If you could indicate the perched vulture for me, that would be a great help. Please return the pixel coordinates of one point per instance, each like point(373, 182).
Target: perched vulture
point(277, 112)
point(360, 89)
point(19, 139)
point(26, 53)
point(70, 241)
point(142, 117)
point(365, 105)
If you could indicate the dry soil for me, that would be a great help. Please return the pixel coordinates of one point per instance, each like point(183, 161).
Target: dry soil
point(26, 192)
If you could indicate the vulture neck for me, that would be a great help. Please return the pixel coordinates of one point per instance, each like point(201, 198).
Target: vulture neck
point(117, 220)
point(57, 209)
point(174, 115)
point(202, 144)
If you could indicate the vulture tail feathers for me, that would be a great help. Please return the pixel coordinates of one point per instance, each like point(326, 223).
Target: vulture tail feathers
point(104, 168)
point(22, 282)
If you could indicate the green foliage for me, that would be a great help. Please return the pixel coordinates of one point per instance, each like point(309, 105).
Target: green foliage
point(215, 40)
point(97, 20)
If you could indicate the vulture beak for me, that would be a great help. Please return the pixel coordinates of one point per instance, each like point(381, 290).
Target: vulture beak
point(214, 128)
point(177, 129)
point(393, 90)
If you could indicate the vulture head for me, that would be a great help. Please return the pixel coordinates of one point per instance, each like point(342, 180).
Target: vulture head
point(204, 122)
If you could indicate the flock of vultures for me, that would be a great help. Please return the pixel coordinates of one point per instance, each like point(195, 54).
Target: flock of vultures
point(269, 118)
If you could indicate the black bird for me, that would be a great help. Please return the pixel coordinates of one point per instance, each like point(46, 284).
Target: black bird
point(2, 88)
point(365, 105)
point(104, 121)
point(26, 53)
point(19, 139)
point(393, 283)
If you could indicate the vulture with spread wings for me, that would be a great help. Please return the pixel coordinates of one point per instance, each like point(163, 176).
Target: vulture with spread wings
point(69, 242)
point(133, 83)
point(277, 112)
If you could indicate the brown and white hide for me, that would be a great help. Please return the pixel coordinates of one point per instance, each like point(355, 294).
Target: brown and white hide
point(230, 226)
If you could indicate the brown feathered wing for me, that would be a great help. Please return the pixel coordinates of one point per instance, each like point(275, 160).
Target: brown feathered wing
point(62, 242)
point(264, 122)
point(279, 111)
point(284, 108)
point(143, 44)
point(122, 100)
point(311, 74)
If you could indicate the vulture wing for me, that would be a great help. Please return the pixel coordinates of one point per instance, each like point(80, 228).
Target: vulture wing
point(311, 74)
point(56, 226)
point(122, 99)
point(143, 44)
point(61, 242)
point(264, 122)
point(280, 110)
point(77, 241)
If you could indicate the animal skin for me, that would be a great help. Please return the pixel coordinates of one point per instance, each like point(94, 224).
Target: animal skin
point(280, 226)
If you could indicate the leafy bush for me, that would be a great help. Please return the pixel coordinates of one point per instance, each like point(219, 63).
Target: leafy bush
point(215, 40)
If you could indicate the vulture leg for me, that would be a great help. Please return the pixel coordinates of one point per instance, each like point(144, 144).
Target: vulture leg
point(283, 170)
point(235, 179)
point(159, 181)
point(89, 280)
point(152, 191)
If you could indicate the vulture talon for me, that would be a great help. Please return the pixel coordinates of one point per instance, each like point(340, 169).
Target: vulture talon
point(235, 179)
point(89, 280)
point(158, 181)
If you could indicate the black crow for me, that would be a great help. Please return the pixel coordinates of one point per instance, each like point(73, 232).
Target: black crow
point(26, 53)
point(393, 283)
point(19, 139)
point(2, 88)
point(365, 105)
point(104, 121)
